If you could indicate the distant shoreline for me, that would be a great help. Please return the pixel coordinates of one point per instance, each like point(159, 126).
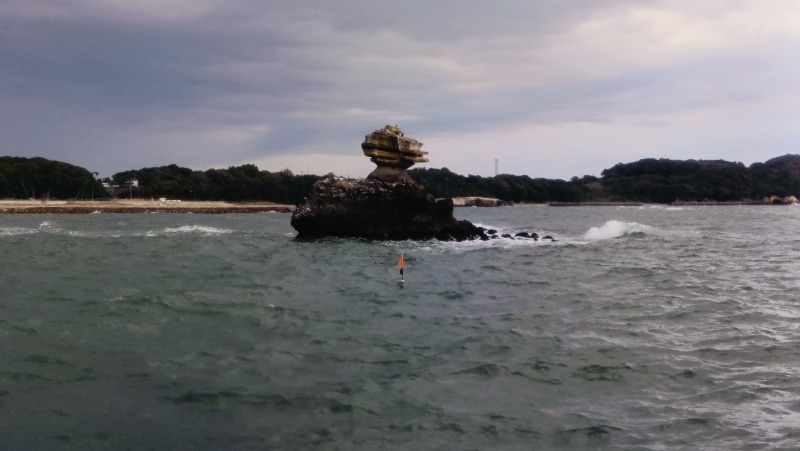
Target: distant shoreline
point(219, 207)
point(136, 206)
point(673, 204)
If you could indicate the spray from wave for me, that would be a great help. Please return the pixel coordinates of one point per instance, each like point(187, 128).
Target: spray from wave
point(616, 229)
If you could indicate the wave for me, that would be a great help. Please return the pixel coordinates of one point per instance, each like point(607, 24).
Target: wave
point(198, 229)
point(616, 229)
point(665, 208)
point(15, 231)
point(44, 226)
point(49, 228)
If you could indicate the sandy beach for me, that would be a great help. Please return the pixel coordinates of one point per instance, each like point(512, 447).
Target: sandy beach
point(136, 206)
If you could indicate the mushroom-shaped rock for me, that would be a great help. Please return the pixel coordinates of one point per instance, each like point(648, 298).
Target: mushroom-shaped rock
point(392, 152)
point(388, 204)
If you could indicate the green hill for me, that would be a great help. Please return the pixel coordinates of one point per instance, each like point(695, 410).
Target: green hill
point(648, 180)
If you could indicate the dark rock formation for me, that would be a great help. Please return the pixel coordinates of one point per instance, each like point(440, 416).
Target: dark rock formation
point(388, 204)
point(378, 209)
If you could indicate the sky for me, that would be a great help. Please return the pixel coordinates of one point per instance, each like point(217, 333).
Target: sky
point(544, 88)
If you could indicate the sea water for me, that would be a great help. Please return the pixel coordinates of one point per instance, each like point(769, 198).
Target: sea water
point(639, 328)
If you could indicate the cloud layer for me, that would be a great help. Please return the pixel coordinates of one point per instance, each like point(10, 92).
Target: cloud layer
point(549, 88)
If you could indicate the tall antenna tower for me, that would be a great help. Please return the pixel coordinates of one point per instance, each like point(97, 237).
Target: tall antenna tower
point(495, 167)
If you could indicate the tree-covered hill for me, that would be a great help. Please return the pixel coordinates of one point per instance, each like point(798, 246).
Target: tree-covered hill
point(514, 188)
point(776, 177)
point(649, 180)
point(667, 181)
point(236, 183)
point(25, 178)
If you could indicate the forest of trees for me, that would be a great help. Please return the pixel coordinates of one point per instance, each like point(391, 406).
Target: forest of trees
point(237, 183)
point(648, 181)
point(25, 178)
point(514, 188)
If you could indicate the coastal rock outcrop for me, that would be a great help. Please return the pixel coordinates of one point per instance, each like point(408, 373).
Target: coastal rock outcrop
point(388, 204)
point(378, 209)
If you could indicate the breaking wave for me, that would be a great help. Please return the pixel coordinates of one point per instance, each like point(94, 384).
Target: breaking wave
point(14, 231)
point(616, 229)
point(197, 229)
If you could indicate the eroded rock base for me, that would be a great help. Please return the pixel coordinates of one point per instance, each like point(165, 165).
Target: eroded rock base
point(379, 209)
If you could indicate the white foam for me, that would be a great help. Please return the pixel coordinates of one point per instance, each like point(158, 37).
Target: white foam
point(203, 230)
point(45, 226)
point(615, 229)
point(48, 226)
point(14, 231)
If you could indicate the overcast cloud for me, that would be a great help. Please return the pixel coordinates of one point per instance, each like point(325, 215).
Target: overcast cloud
point(550, 88)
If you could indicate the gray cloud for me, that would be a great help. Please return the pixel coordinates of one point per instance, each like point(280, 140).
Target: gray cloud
point(113, 86)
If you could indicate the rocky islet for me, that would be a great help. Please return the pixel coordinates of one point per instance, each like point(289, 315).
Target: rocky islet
point(387, 204)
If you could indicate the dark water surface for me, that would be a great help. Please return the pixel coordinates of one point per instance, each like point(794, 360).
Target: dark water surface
point(641, 328)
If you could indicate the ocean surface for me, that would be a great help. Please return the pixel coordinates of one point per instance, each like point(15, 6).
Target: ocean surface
point(642, 328)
